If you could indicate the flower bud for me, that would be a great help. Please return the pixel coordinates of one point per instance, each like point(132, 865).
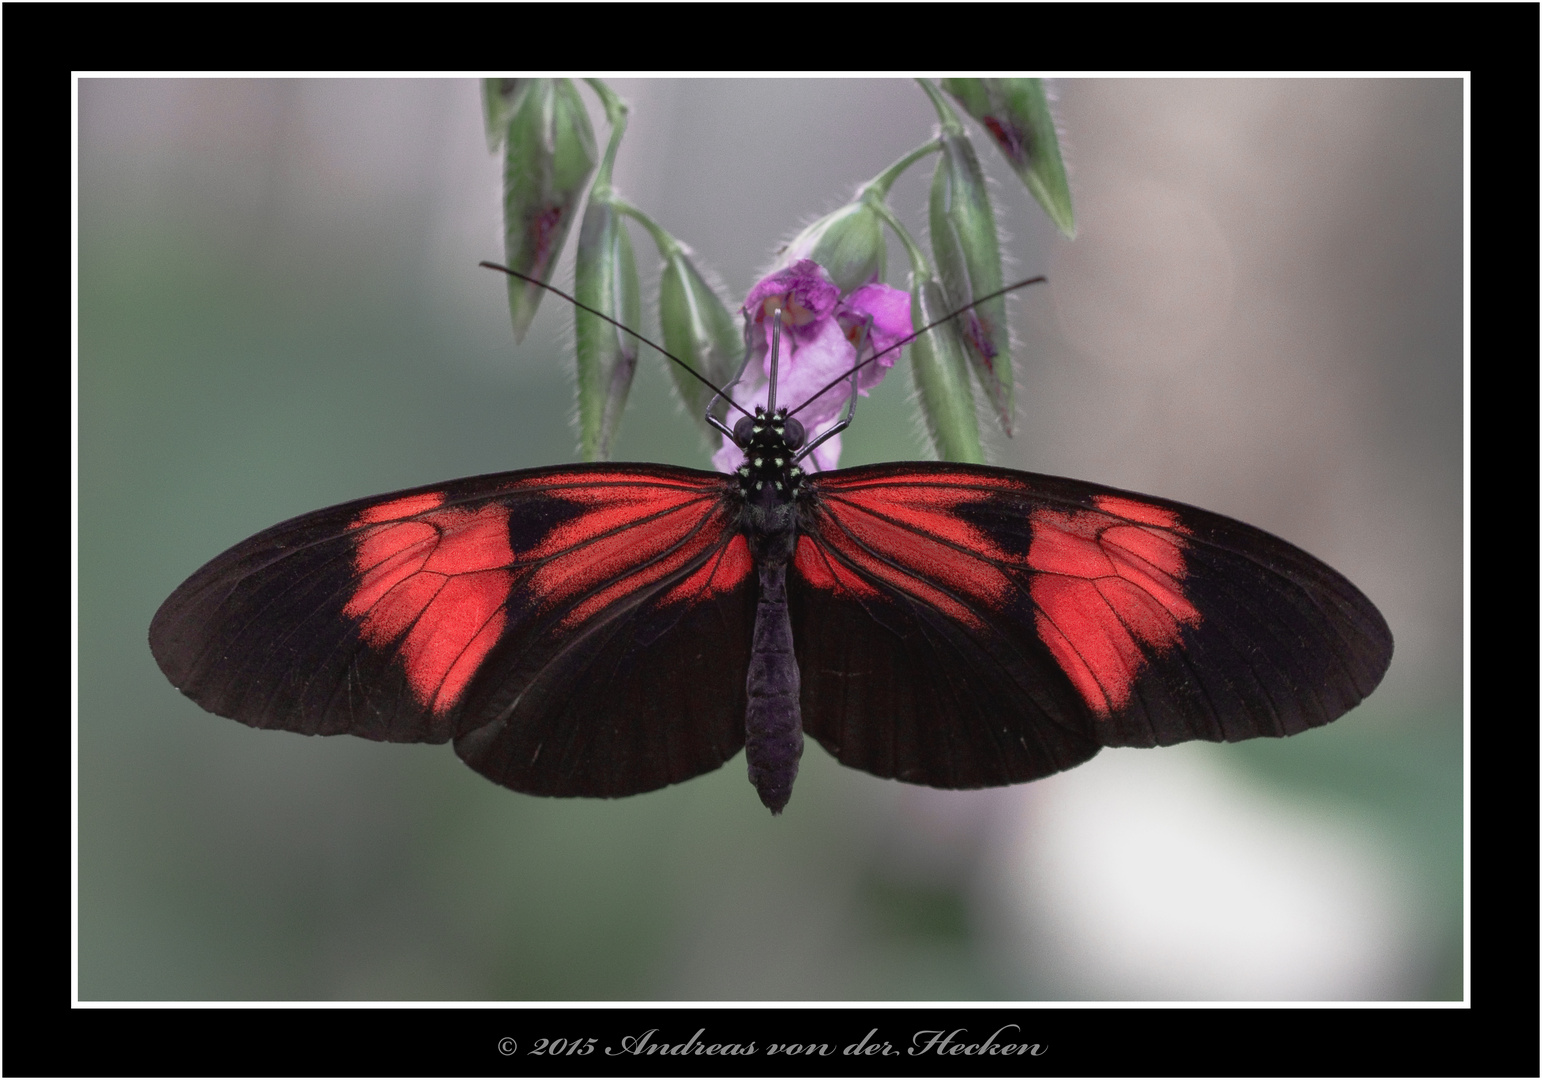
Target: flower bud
point(699, 329)
point(848, 243)
point(499, 98)
point(549, 157)
point(942, 377)
point(1016, 113)
point(963, 232)
point(606, 280)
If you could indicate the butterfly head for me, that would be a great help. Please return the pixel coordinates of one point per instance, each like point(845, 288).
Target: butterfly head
point(770, 442)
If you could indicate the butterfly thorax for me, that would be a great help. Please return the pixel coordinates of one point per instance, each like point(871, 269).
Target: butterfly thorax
point(770, 483)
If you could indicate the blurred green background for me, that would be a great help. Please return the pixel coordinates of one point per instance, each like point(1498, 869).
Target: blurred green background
point(280, 309)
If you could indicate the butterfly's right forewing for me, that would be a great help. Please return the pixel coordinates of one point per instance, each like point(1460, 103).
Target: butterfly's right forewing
point(521, 613)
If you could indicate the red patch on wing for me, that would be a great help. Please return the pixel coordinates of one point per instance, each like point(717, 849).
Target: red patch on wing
point(434, 581)
point(438, 581)
point(722, 574)
point(1105, 586)
point(635, 536)
point(1137, 511)
point(409, 506)
point(910, 536)
point(825, 573)
point(959, 484)
point(570, 485)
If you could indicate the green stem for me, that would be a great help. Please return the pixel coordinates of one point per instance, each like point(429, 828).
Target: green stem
point(951, 124)
point(615, 107)
point(881, 183)
point(918, 264)
point(615, 116)
point(668, 246)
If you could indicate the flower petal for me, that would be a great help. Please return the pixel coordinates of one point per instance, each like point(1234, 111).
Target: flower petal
point(826, 456)
point(804, 292)
point(890, 312)
point(811, 367)
point(728, 456)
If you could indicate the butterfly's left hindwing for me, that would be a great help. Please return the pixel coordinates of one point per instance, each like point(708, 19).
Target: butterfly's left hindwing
point(963, 626)
point(520, 613)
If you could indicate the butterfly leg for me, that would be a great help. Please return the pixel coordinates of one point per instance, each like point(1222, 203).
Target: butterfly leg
point(749, 355)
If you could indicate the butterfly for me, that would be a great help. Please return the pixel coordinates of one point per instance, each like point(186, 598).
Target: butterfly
point(609, 629)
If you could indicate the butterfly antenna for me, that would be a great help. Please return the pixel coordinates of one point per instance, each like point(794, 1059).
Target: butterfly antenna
point(698, 376)
point(901, 343)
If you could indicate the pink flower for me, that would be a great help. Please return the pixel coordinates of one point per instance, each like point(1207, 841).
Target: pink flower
point(824, 335)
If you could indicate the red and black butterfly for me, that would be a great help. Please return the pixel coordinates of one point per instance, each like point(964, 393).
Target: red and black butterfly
point(607, 629)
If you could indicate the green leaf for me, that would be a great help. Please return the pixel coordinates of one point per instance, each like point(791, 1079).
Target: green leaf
point(550, 155)
point(964, 243)
point(699, 329)
point(942, 377)
point(1016, 114)
point(606, 280)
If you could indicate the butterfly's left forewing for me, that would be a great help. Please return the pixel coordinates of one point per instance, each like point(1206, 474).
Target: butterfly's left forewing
point(518, 613)
point(1008, 624)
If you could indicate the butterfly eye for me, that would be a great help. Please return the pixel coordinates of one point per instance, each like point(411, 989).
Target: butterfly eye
point(744, 431)
point(793, 433)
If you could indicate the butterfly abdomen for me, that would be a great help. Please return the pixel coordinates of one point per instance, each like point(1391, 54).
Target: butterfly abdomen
point(773, 720)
